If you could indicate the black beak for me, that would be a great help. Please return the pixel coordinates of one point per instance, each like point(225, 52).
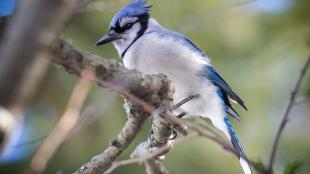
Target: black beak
point(106, 39)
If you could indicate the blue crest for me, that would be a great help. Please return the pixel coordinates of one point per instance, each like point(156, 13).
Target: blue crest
point(136, 8)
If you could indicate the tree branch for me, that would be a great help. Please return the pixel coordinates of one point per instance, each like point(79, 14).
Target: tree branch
point(286, 114)
point(113, 75)
point(133, 85)
point(151, 155)
point(158, 137)
point(103, 161)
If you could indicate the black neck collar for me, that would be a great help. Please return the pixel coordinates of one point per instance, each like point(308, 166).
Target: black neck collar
point(144, 23)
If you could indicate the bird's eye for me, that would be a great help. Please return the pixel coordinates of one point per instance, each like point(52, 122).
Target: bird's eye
point(128, 26)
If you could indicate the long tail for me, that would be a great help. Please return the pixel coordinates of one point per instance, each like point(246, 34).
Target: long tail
point(235, 142)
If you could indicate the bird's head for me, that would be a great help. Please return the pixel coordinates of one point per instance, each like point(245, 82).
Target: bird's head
point(127, 24)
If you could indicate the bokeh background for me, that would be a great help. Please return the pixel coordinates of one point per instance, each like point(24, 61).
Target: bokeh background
point(258, 46)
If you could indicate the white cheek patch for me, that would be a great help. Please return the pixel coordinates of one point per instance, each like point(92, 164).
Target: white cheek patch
point(126, 20)
point(131, 34)
point(127, 38)
point(134, 29)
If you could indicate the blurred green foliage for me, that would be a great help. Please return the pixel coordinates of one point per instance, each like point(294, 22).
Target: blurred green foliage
point(293, 167)
point(258, 53)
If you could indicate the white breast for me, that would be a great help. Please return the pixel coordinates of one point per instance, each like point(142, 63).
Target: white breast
point(152, 54)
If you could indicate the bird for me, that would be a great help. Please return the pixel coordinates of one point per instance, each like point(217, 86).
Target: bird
point(145, 45)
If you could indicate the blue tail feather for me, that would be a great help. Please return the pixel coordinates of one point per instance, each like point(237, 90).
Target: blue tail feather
point(233, 136)
point(235, 142)
point(234, 139)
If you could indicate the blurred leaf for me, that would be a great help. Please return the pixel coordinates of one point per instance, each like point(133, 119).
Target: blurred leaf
point(294, 167)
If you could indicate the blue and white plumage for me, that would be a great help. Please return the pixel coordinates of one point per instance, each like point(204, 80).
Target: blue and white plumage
point(148, 47)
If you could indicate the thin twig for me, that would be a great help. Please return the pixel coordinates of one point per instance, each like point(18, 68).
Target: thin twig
point(160, 135)
point(206, 133)
point(88, 112)
point(64, 126)
point(154, 154)
point(286, 114)
point(155, 166)
point(198, 131)
point(102, 161)
point(85, 115)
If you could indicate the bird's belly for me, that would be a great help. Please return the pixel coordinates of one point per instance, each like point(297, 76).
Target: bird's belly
point(207, 104)
point(182, 69)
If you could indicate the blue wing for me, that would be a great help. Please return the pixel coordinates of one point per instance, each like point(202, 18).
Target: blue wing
point(208, 71)
point(224, 91)
point(218, 81)
point(228, 108)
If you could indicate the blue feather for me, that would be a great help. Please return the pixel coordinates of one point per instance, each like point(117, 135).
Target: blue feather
point(210, 73)
point(132, 9)
point(234, 138)
point(228, 108)
point(179, 38)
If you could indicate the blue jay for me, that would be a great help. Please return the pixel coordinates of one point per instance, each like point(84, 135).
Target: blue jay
point(144, 45)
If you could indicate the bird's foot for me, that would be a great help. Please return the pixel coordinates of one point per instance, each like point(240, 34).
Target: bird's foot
point(182, 102)
point(181, 115)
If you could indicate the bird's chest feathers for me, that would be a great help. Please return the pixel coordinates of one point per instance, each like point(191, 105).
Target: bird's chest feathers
point(152, 54)
point(179, 63)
